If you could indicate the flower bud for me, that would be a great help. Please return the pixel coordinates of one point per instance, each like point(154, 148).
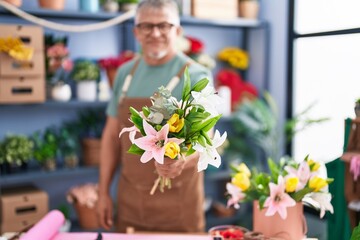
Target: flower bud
point(172, 150)
point(175, 123)
point(241, 180)
point(291, 183)
point(317, 183)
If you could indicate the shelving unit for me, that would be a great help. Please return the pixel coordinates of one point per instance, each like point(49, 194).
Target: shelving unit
point(248, 34)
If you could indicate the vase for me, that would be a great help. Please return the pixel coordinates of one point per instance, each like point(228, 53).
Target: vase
point(87, 216)
point(292, 228)
point(86, 91)
point(89, 5)
point(53, 4)
point(248, 9)
point(111, 74)
point(91, 151)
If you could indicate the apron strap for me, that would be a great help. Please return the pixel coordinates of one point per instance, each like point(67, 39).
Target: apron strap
point(176, 79)
point(128, 81)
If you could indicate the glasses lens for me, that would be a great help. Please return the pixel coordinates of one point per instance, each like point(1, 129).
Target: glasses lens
point(147, 28)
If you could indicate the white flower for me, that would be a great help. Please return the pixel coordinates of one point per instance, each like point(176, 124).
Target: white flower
point(206, 61)
point(209, 154)
point(321, 201)
point(208, 99)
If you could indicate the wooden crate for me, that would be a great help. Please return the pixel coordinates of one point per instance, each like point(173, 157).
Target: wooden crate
point(9, 67)
point(22, 90)
point(214, 9)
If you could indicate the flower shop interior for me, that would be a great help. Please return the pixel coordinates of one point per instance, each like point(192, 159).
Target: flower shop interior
point(271, 63)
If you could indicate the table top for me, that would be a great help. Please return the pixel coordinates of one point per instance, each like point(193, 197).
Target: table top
point(119, 236)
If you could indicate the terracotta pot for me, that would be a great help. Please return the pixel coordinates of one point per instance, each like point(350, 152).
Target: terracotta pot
point(91, 151)
point(16, 3)
point(111, 74)
point(87, 216)
point(53, 4)
point(292, 228)
point(249, 9)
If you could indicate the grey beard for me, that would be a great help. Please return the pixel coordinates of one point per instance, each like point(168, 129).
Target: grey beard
point(158, 55)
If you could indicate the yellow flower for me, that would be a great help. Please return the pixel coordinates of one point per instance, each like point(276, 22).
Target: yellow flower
point(314, 166)
point(317, 183)
point(291, 183)
point(16, 49)
point(241, 180)
point(176, 123)
point(244, 169)
point(172, 150)
point(236, 57)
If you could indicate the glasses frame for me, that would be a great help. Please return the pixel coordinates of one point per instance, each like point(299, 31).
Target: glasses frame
point(147, 28)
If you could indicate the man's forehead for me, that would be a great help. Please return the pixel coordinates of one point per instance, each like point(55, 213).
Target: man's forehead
point(155, 15)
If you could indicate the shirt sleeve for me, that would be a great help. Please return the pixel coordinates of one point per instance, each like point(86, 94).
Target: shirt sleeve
point(112, 107)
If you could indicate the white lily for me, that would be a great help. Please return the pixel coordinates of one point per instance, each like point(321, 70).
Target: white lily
point(209, 154)
point(320, 200)
point(208, 99)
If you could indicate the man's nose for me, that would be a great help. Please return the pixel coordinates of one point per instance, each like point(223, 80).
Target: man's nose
point(155, 32)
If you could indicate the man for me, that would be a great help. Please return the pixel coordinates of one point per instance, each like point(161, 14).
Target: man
point(179, 209)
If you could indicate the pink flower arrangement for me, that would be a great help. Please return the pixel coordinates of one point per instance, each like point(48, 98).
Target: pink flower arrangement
point(287, 183)
point(86, 195)
point(58, 61)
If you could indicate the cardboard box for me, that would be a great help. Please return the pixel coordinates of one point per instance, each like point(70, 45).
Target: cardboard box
point(22, 90)
point(21, 207)
point(10, 67)
point(214, 9)
point(32, 36)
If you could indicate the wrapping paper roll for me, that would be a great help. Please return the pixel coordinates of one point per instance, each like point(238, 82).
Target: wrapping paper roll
point(46, 228)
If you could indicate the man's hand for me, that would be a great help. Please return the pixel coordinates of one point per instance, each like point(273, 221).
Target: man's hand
point(171, 168)
point(105, 211)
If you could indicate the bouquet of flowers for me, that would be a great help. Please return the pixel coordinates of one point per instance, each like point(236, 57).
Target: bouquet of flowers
point(287, 183)
point(176, 129)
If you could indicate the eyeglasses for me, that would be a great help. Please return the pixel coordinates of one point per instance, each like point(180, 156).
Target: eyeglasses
point(147, 28)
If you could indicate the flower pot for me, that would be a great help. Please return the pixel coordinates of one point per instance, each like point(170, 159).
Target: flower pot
point(86, 91)
point(50, 165)
point(16, 3)
point(87, 216)
point(111, 6)
point(91, 151)
point(128, 6)
point(292, 228)
point(54, 4)
point(249, 9)
point(111, 74)
point(61, 92)
point(71, 161)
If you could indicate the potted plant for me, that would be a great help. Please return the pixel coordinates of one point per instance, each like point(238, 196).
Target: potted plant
point(357, 107)
point(90, 125)
point(68, 144)
point(278, 195)
point(127, 5)
point(86, 73)
point(84, 199)
point(45, 149)
point(15, 151)
point(110, 5)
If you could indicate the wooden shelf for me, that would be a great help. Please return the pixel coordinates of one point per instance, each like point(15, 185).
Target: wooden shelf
point(39, 174)
point(54, 104)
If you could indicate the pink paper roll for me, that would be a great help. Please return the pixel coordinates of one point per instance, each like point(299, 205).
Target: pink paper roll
point(47, 227)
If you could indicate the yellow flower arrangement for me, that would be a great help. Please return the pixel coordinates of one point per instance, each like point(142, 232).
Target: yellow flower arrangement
point(236, 57)
point(16, 49)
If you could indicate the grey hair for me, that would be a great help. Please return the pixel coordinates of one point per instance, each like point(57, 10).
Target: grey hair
point(159, 4)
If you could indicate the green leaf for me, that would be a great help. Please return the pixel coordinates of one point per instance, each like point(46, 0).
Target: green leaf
point(134, 149)
point(200, 85)
point(146, 111)
point(356, 233)
point(298, 196)
point(206, 136)
point(202, 140)
point(187, 85)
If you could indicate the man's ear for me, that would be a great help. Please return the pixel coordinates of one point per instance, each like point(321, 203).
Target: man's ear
point(135, 31)
point(179, 31)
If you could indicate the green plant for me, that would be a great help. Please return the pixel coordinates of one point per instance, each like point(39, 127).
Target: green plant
point(16, 149)
point(85, 70)
point(356, 233)
point(127, 1)
point(90, 123)
point(64, 208)
point(45, 145)
point(357, 101)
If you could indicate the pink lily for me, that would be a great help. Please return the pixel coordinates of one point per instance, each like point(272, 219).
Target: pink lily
point(154, 143)
point(278, 200)
point(236, 195)
point(303, 173)
point(132, 131)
